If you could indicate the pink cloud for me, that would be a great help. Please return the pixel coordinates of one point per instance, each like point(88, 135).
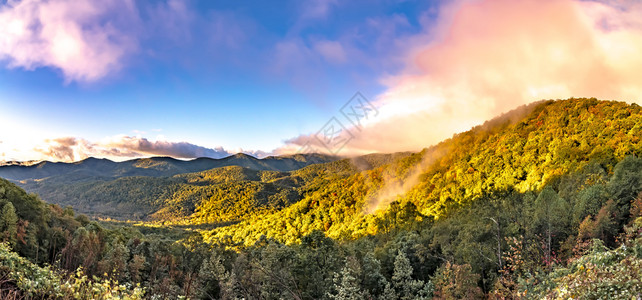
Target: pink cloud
point(162, 148)
point(73, 36)
point(317, 9)
point(483, 58)
point(126, 147)
point(332, 51)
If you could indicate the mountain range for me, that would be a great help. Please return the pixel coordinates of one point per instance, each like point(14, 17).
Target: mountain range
point(153, 166)
point(533, 204)
point(164, 188)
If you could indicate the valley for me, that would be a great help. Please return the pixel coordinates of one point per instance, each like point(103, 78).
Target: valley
point(526, 205)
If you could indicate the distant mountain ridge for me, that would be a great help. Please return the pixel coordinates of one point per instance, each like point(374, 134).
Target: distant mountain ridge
point(19, 163)
point(165, 188)
point(155, 166)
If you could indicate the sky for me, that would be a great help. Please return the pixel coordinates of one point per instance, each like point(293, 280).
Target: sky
point(122, 79)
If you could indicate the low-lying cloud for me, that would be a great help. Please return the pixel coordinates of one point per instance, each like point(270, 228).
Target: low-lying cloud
point(124, 147)
point(483, 58)
point(165, 148)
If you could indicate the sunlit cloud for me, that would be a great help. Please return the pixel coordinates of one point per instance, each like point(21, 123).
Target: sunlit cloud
point(483, 58)
point(84, 39)
point(88, 40)
point(124, 147)
point(162, 147)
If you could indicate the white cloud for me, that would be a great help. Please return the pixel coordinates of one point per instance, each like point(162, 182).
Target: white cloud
point(84, 39)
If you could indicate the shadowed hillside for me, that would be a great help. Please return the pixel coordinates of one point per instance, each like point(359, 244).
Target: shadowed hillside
point(155, 166)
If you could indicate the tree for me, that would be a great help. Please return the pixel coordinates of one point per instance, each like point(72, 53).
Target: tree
point(317, 260)
point(588, 202)
point(115, 262)
point(346, 286)
point(603, 226)
point(625, 185)
point(405, 286)
point(135, 268)
point(274, 263)
point(636, 207)
point(454, 281)
point(551, 216)
point(626, 182)
point(372, 279)
point(8, 223)
point(215, 281)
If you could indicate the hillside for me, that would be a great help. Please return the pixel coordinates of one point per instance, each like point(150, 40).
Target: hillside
point(223, 194)
point(137, 188)
point(523, 150)
point(537, 203)
point(508, 208)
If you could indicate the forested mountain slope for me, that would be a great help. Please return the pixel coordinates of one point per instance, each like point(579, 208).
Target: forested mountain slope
point(137, 188)
point(224, 194)
point(544, 202)
point(523, 150)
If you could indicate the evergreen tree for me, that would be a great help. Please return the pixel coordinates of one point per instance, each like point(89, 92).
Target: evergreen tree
point(346, 286)
point(388, 293)
point(406, 287)
point(552, 218)
point(8, 223)
point(372, 279)
point(215, 281)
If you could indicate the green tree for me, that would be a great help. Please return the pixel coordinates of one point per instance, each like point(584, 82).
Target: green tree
point(347, 286)
point(405, 286)
point(372, 279)
point(603, 226)
point(115, 262)
point(215, 282)
point(551, 216)
point(626, 182)
point(8, 223)
point(318, 259)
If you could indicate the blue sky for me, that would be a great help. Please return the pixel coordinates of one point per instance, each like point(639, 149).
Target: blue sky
point(124, 78)
point(238, 74)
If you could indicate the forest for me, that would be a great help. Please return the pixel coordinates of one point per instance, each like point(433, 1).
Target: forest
point(542, 202)
point(137, 189)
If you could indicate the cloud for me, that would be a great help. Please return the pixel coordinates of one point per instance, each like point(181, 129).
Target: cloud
point(332, 51)
point(125, 147)
point(61, 148)
point(483, 58)
point(317, 9)
point(85, 39)
point(294, 60)
point(172, 19)
point(163, 148)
